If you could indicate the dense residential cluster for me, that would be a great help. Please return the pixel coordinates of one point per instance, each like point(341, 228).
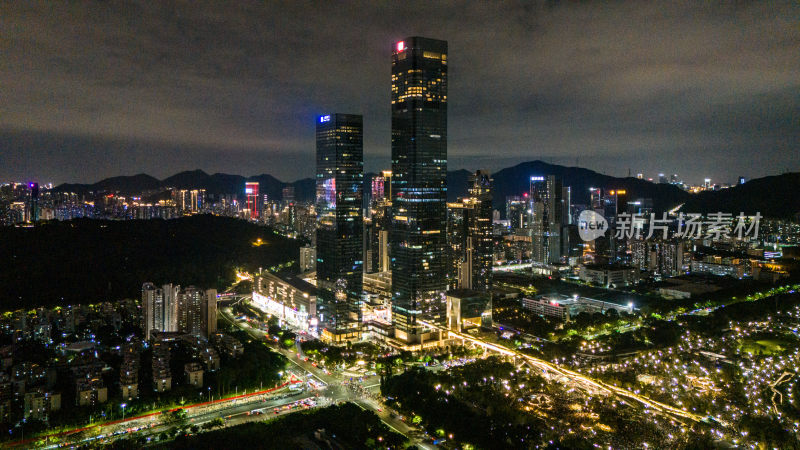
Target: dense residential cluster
point(57, 360)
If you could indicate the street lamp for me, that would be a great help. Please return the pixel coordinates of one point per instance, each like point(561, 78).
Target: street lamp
point(123, 410)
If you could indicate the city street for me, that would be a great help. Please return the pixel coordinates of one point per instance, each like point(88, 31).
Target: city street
point(336, 385)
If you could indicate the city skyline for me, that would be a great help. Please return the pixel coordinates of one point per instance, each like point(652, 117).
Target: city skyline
point(569, 84)
point(450, 276)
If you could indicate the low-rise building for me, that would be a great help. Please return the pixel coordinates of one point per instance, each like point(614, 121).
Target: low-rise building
point(609, 275)
point(40, 403)
point(194, 374)
point(90, 391)
point(228, 344)
point(287, 297)
point(129, 371)
point(715, 265)
point(682, 288)
point(564, 308)
point(210, 359)
point(467, 308)
point(162, 375)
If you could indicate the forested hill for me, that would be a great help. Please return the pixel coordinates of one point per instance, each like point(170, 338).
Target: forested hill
point(85, 261)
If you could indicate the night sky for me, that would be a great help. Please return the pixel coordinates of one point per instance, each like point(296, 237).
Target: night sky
point(96, 89)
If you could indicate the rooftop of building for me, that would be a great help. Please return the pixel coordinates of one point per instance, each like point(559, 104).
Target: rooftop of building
point(607, 267)
point(294, 281)
point(467, 293)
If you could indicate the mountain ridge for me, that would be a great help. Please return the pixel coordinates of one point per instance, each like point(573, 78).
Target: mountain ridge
point(771, 196)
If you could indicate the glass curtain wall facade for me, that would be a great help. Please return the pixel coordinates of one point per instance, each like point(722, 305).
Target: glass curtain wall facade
point(340, 225)
point(419, 184)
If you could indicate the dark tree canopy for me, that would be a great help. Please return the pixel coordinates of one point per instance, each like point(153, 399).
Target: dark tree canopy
point(86, 261)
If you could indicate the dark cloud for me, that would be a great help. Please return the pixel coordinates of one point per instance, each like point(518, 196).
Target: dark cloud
point(94, 89)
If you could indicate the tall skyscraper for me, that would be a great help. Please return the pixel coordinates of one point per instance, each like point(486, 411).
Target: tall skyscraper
point(251, 191)
point(480, 190)
point(159, 308)
point(209, 313)
point(547, 219)
point(377, 192)
point(33, 207)
point(152, 298)
point(376, 230)
point(190, 306)
point(419, 184)
point(340, 178)
point(287, 195)
point(469, 236)
point(517, 212)
point(171, 293)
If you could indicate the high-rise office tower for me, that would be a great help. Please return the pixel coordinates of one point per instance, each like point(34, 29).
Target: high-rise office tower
point(289, 209)
point(251, 191)
point(470, 243)
point(547, 219)
point(596, 199)
point(480, 191)
point(376, 230)
point(419, 184)
point(460, 248)
point(517, 212)
point(33, 207)
point(370, 243)
point(287, 195)
point(340, 178)
point(377, 192)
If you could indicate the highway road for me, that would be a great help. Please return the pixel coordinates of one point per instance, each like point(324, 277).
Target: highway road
point(235, 413)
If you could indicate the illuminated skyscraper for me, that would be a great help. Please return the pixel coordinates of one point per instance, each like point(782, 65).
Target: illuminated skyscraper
point(159, 308)
point(340, 178)
point(517, 211)
point(251, 191)
point(419, 184)
point(480, 191)
point(190, 306)
point(470, 242)
point(34, 202)
point(152, 308)
point(376, 230)
point(547, 219)
point(209, 313)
